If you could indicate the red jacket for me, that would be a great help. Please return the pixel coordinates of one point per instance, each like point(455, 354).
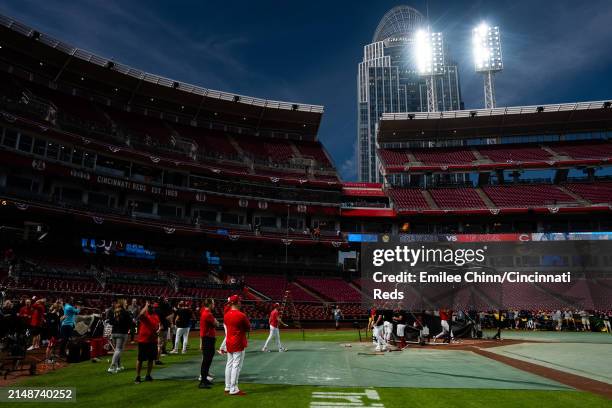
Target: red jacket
point(26, 314)
point(237, 327)
point(148, 327)
point(38, 314)
point(207, 323)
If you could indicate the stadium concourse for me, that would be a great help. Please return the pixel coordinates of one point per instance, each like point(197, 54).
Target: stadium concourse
point(120, 185)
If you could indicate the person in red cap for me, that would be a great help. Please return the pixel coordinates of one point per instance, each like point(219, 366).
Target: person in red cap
point(237, 325)
point(274, 321)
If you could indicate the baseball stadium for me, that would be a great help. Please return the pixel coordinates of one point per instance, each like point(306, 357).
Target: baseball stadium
point(165, 244)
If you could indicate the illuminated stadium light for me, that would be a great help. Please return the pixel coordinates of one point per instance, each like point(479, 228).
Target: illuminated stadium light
point(487, 48)
point(486, 43)
point(429, 52)
point(429, 56)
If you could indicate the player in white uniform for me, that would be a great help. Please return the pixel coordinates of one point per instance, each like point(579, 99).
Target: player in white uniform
point(586, 321)
point(274, 321)
point(378, 332)
point(222, 349)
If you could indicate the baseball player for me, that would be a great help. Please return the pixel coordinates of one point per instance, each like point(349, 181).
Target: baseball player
point(606, 319)
point(237, 325)
point(586, 322)
point(445, 318)
point(388, 326)
point(274, 331)
point(222, 349)
point(371, 321)
point(377, 331)
point(400, 320)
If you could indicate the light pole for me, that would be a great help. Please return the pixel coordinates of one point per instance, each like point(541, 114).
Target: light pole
point(429, 55)
point(486, 42)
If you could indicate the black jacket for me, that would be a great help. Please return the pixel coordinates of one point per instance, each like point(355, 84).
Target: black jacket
point(122, 322)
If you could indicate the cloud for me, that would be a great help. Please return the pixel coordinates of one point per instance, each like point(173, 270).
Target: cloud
point(348, 168)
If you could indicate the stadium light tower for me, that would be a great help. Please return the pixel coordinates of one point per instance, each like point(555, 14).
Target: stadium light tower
point(429, 55)
point(487, 58)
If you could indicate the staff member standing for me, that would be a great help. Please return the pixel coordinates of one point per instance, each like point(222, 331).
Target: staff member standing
point(208, 325)
point(237, 326)
point(148, 331)
point(121, 320)
point(183, 323)
point(274, 331)
point(337, 316)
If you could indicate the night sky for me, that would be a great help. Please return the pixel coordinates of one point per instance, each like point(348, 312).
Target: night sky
point(308, 51)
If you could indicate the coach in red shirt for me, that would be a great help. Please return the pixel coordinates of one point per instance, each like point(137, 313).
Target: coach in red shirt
point(208, 325)
point(148, 328)
point(237, 326)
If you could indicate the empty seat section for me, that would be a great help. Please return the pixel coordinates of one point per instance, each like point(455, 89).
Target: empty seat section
point(506, 154)
point(527, 195)
point(394, 157)
point(451, 198)
point(409, 198)
point(594, 192)
point(455, 156)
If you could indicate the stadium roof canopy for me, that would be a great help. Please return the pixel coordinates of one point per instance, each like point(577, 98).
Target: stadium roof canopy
point(519, 120)
point(27, 48)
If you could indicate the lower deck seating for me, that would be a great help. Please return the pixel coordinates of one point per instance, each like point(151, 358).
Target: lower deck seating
point(333, 289)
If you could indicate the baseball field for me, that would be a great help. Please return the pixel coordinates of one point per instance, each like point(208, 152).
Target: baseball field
point(334, 369)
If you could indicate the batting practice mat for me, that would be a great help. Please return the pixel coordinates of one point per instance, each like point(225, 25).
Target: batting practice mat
point(464, 366)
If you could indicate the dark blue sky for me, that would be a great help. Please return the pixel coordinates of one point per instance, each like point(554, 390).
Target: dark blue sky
point(554, 51)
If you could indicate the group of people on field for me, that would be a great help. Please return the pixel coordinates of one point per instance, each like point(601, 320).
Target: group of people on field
point(236, 326)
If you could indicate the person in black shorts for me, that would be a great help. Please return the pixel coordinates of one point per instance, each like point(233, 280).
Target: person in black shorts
point(148, 329)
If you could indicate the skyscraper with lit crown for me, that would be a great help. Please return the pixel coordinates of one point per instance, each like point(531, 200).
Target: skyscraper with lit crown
point(387, 81)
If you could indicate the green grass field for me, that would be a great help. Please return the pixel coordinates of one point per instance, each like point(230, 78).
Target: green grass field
point(96, 388)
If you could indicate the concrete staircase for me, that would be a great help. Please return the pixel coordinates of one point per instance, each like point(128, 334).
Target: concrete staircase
point(234, 143)
point(575, 196)
point(295, 150)
point(413, 160)
point(430, 201)
point(478, 156)
point(555, 156)
point(309, 291)
point(485, 198)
